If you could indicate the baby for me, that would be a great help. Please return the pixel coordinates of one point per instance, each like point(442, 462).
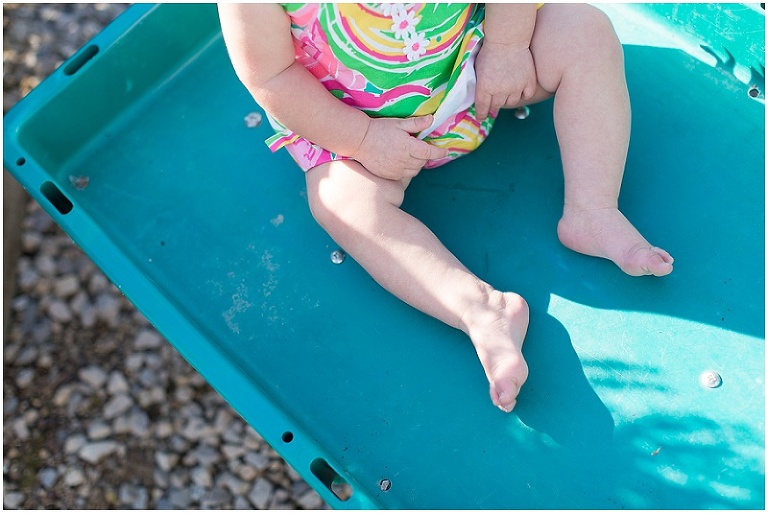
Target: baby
point(365, 96)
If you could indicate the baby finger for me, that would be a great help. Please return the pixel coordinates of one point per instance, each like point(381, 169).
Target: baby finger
point(424, 151)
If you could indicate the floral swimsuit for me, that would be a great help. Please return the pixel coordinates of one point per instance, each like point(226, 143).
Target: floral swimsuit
point(392, 60)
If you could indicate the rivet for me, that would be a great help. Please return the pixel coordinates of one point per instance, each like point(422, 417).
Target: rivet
point(337, 256)
point(253, 120)
point(710, 379)
point(753, 92)
point(385, 485)
point(522, 112)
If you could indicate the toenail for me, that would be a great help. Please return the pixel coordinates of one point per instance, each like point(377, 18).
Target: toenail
point(505, 409)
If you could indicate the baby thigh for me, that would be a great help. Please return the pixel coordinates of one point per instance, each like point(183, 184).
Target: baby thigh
point(343, 195)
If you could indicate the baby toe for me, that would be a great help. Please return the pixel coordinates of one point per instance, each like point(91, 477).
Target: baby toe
point(506, 384)
point(659, 262)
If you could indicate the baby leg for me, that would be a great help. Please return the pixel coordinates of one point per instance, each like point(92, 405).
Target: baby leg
point(361, 212)
point(579, 58)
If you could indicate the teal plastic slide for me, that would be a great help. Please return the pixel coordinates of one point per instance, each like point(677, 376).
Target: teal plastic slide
point(643, 392)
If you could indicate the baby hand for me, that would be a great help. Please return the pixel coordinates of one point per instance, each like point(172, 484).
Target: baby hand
point(390, 151)
point(505, 76)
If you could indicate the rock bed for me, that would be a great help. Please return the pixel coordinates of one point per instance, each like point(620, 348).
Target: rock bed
point(99, 410)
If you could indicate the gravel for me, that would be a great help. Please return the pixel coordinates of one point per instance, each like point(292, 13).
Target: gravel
point(99, 411)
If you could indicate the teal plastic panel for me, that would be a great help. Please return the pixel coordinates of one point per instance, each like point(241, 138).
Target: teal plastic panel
point(138, 147)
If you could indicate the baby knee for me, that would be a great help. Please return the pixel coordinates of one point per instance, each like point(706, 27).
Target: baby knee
point(600, 28)
point(348, 195)
point(326, 202)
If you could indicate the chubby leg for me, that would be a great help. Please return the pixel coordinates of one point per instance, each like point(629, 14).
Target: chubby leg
point(361, 212)
point(579, 59)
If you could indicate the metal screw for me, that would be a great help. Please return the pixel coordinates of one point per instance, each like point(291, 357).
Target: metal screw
point(710, 379)
point(337, 256)
point(753, 92)
point(522, 112)
point(385, 485)
point(253, 120)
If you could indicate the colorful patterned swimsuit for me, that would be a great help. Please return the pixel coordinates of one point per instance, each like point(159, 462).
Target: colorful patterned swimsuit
point(392, 60)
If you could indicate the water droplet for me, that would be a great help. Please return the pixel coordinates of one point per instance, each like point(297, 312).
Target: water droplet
point(710, 379)
point(338, 256)
point(522, 112)
point(253, 120)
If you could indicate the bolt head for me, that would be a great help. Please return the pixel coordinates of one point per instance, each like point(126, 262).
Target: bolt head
point(385, 485)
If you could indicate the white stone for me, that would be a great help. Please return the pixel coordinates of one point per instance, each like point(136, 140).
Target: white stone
point(196, 429)
point(253, 440)
point(147, 339)
point(48, 477)
point(235, 485)
point(30, 241)
point(232, 452)
point(108, 308)
point(27, 356)
point(163, 429)
point(28, 279)
point(121, 425)
point(201, 476)
point(166, 461)
point(74, 443)
point(118, 405)
point(241, 503)
point(99, 283)
point(97, 451)
point(13, 500)
point(180, 498)
point(88, 316)
point(63, 393)
point(31, 416)
point(179, 478)
point(45, 361)
point(45, 265)
point(202, 454)
point(25, 377)
point(138, 423)
point(310, 500)
point(137, 497)
point(257, 460)
point(66, 286)
point(246, 472)
point(74, 477)
point(9, 405)
point(261, 493)
point(153, 395)
point(134, 362)
point(126, 493)
point(59, 311)
point(79, 303)
point(214, 499)
point(117, 383)
point(21, 429)
point(94, 376)
point(223, 419)
point(99, 430)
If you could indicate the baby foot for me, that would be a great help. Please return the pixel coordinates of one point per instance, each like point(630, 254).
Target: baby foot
point(497, 330)
point(608, 234)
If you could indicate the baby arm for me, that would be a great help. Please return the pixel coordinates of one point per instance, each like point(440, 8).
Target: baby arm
point(504, 67)
point(259, 43)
